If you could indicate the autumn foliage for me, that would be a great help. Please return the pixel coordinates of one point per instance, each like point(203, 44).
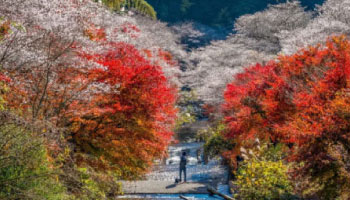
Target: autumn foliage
point(86, 99)
point(117, 107)
point(301, 100)
point(127, 121)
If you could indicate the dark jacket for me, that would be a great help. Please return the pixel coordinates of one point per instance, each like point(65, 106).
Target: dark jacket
point(183, 161)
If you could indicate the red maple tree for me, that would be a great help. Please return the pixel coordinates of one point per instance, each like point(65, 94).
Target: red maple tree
point(302, 101)
point(128, 120)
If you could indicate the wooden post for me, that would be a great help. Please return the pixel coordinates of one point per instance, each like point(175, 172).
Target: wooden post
point(211, 190)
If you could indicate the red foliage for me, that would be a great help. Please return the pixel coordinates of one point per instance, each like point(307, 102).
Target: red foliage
point(129, 118)
point(118, 105)
point(4, 78)
point(263, 98)
point(301, 100)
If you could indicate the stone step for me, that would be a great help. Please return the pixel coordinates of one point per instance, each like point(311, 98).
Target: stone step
point(163, 187)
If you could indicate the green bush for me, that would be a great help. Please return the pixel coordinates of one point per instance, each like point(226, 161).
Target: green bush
point(28, 170)
point(263, 174)
point(215, 142)
point(25, 172)
point(97, 185)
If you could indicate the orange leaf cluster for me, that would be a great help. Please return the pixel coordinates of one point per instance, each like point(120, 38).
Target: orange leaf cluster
point(4, 29)
point(95, 34)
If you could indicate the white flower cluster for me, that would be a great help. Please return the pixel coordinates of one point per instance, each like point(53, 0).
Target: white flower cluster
point(332, 18)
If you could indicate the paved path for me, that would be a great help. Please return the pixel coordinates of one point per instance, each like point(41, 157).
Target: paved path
point(163, 187)
point(161, 179)
point(212, 172)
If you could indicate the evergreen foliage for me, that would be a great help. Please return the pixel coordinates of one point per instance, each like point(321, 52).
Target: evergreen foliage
point(140, 6)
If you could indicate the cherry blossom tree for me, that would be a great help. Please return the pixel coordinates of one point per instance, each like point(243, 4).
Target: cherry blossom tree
point(46, 44)
point(255, 40)
point(332, 18)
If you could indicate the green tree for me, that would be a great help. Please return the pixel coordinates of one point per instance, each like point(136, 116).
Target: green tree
point(140, 6)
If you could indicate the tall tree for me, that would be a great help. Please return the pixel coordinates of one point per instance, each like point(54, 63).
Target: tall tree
point(299, 100)
point(127, 121)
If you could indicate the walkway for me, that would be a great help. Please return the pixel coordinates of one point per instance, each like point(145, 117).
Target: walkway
point(163, 187)
point(162, 179)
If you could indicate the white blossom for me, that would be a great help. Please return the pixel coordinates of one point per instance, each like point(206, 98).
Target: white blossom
point(332, 18)
point(255, 40)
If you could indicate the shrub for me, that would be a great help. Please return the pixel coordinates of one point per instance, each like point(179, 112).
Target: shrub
point(97, 185)
point(263, 175)
point(215, 142)
point(25, 172)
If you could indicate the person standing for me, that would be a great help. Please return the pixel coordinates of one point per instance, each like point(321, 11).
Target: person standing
point(183, 163)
